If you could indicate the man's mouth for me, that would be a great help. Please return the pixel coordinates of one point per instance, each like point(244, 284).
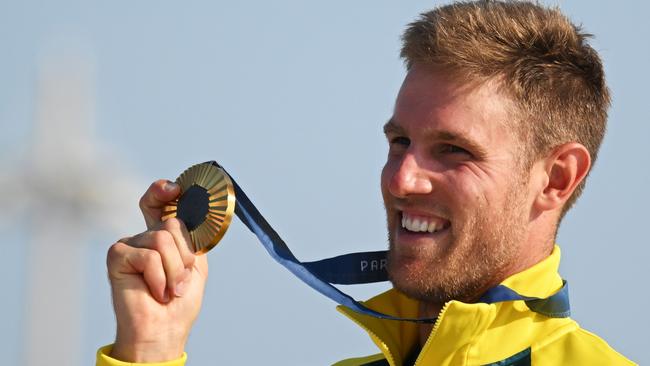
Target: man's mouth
point(423, 224)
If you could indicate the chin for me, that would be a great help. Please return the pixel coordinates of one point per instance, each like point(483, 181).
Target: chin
point(416, 279)
point(420, 291)
point(437, 277)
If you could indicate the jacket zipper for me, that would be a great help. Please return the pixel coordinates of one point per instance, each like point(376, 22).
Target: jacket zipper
point(436, 325)
point(387, 353)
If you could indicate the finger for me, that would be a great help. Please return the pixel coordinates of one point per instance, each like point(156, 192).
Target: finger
point(159, 194)
point(163, 242)
point(182, 240)
point(124, 259)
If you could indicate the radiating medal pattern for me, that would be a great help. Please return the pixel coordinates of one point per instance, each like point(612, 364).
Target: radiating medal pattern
point(206, 205)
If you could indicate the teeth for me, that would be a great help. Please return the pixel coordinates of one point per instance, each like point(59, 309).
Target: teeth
point(423, 226)
point(417, 224)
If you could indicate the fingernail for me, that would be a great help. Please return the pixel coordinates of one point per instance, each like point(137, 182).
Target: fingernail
point(169, 186)
point(180, 288)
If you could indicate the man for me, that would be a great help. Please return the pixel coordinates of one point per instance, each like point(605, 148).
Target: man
point(494, 131)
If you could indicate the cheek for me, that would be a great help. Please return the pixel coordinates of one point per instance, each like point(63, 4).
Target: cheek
point(469, 189)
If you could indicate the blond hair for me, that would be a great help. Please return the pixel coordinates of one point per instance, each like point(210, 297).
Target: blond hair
point(542, 61)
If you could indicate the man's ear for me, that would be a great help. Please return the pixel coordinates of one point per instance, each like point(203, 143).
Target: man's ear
point(565, 168)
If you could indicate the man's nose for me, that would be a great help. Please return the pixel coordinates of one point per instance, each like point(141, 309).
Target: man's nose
point(409, 178)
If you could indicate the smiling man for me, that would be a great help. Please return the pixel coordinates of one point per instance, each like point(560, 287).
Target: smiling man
point(455, 191)
point(495, 129)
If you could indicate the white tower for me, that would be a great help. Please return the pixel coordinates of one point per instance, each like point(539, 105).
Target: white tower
point(69, 187)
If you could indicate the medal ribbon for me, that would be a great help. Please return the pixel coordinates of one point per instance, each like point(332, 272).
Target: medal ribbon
point(366, 267)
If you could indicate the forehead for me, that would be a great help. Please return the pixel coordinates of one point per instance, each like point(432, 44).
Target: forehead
point(430, 102)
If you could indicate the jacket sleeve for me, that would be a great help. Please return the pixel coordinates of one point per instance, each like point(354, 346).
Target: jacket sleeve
point(103, 359)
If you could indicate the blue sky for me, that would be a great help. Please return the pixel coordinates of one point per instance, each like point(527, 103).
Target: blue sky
point(290, 96)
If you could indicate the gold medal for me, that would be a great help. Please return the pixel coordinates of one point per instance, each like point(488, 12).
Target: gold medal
point(206, 205)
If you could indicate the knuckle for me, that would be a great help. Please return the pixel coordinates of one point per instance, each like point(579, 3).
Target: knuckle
point(158, 246)
point(172, 224)
point(151, 258)
point(115, 252)
point(161, 238)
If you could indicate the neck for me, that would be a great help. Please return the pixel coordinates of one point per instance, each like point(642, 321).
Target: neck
point(432, 309)
point(427, 310)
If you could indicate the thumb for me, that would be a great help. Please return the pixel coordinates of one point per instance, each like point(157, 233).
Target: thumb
point(159, 194)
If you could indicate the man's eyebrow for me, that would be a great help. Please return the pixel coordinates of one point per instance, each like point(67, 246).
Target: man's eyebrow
point(392, 127)
point(455, 138)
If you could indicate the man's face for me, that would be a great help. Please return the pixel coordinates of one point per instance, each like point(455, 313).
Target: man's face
point(456, 197)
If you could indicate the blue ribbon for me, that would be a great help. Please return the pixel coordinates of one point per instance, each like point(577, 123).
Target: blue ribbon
point(358, 268)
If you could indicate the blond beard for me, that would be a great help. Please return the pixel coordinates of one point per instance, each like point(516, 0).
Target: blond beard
point(479, 257)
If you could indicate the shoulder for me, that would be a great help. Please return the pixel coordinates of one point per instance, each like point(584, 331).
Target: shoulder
point(576, 346)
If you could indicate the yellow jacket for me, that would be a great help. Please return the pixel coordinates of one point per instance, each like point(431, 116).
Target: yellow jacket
point(503, 333)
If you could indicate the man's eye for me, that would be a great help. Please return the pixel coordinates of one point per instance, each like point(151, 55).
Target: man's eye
point(400, 140)
point(453, 149)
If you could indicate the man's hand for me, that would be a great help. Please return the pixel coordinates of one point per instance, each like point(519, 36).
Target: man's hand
point(157, 284)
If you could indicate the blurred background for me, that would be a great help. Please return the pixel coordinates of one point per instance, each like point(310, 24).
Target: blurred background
point(100, 98)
